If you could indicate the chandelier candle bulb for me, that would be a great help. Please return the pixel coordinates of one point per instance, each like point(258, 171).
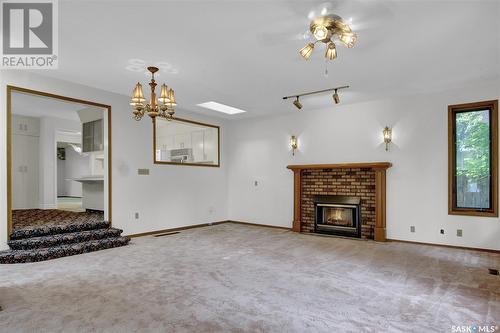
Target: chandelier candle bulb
point(171, 97)
point(164, 95)
point(137, 95)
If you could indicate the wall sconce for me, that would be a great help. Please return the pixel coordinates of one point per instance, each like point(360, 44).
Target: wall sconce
point(293, 144)
point(387, 137)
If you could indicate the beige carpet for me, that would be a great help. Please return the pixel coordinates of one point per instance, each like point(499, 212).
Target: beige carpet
point(236, 278)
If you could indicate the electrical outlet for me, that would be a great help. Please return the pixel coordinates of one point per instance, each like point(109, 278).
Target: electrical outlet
point(459, 232)
point(136, 215)
point(442, 231)
point(412, 228)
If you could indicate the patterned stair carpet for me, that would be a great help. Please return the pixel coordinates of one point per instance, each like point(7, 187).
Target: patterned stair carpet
point(48, 234)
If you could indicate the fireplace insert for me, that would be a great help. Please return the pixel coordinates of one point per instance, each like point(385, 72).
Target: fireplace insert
point(337, 215)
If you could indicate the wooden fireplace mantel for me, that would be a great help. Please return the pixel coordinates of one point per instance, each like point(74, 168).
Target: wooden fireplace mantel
point(373, 165)
point(380, 191)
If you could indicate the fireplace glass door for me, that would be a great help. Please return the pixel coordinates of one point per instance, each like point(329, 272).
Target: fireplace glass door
point(341, 219)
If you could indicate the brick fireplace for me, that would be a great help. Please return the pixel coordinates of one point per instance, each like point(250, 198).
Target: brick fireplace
point(365, 182)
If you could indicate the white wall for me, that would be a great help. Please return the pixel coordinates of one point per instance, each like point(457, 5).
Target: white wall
point(75, 166)
point(171, 196)
point(416, 184)
point(49, 129)
point(174, 196)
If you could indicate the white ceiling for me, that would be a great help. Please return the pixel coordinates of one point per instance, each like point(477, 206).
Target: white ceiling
point(37, 106)
point(245, 53)
point(40, 106)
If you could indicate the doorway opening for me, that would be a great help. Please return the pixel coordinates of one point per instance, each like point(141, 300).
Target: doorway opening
point(58, 176)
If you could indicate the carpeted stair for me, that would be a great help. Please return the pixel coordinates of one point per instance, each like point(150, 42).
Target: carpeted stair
point(52, 241)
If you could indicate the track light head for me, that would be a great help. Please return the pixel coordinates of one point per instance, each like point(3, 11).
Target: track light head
point(336, 97)
point(297, 103)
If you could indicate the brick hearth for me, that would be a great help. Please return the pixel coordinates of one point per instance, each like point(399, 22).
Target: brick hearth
point(364, 180)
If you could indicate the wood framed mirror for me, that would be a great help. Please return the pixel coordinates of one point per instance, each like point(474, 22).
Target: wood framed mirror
point(186, 142)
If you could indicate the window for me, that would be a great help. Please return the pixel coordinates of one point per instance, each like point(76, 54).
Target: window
point(472, 153)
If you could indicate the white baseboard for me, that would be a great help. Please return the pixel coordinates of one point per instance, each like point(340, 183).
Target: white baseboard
point(48, 206)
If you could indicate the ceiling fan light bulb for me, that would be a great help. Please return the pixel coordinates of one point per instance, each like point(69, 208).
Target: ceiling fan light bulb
point(331, 51)
point(348, 39)
point(320, 32)
point(307, 50)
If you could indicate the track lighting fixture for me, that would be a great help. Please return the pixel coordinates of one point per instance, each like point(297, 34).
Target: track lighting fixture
point(336, 97)
point(297, 103)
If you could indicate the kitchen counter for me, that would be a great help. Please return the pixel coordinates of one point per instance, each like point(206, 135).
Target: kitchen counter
point(92, 192)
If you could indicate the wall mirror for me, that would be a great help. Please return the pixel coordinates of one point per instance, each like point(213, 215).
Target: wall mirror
point(185, 142)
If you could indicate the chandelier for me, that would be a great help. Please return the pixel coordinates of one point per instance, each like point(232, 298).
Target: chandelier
point(327, 29)
point(157, 107)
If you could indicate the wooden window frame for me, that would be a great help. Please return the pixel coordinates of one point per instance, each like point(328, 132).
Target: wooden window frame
point(452, 111)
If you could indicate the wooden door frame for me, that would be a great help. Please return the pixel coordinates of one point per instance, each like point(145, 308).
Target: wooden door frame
point(10, 90)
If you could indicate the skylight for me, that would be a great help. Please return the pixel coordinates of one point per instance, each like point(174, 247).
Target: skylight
point(221, 108)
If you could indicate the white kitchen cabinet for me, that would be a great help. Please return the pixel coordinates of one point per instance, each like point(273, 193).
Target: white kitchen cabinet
point(24, 173)
point(25, 162)
point(25, 125)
